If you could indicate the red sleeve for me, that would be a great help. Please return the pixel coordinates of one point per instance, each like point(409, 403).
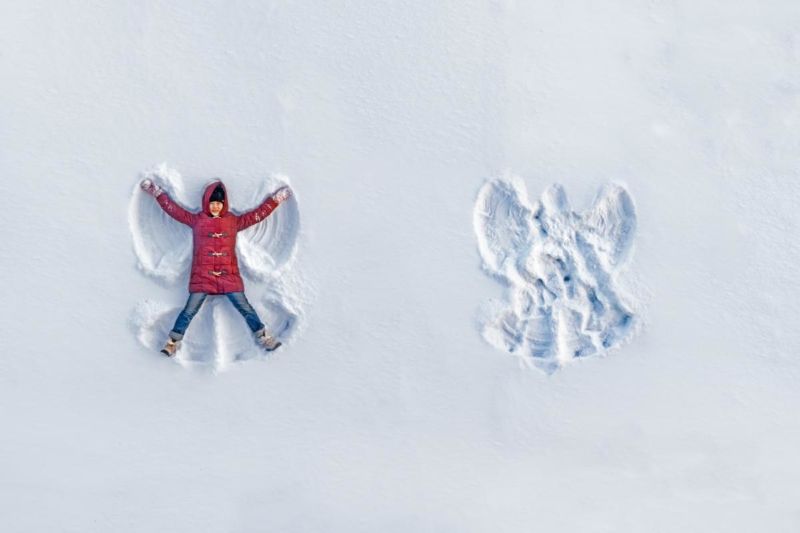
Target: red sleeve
point(174, 210)
point(258, 214)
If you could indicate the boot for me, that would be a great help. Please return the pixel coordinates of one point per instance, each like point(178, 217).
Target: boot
point(267, 341)
point(171, 347)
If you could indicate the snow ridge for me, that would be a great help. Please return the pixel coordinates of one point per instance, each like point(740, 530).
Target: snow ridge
point(265, 249)
point(559, 268)
point(217, 336)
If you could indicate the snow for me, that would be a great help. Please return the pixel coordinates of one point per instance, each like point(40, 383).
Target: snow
point(559, 268)
point(388, 410)
point(162, 244)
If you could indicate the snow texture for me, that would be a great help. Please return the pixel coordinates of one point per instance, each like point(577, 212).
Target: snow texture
point(217, 336)
point(388, 411)
point(163, 245)
point(559, 268)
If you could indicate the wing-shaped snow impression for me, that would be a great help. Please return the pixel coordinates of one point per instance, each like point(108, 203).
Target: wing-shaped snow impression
point(502, 220)
point(559, 267)
point(265, 249)
point(610, 224)
point(162, 245)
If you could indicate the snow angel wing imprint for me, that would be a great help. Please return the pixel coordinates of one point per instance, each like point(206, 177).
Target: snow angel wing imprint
point(503, 224)
point(163, 246)
point(266, 248)
point(609, 225)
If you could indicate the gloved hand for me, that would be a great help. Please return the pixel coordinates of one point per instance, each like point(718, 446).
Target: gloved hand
point(151, 188)
point(282, 194)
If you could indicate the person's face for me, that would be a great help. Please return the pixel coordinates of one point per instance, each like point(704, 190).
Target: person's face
point(215, 208)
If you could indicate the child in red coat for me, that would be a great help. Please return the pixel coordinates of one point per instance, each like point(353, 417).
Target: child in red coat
point(215, 267)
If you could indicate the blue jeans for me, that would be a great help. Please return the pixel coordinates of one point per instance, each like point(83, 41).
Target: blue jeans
point(196, 300)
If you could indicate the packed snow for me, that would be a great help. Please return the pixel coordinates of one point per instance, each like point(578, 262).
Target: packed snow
point(559, 267)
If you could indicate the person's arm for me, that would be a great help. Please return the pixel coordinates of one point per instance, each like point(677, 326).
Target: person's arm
point(263, 211)
point(167, 204)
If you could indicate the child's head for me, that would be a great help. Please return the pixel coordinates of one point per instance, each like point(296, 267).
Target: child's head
point(217, 201)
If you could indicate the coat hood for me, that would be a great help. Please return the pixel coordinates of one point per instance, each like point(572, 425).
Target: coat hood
point(207, 198)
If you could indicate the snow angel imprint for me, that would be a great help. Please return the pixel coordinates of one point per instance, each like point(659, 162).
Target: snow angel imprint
point(214, 262)
point(559, 268)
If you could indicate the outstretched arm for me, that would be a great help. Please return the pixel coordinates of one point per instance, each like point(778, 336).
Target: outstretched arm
point(167, 204)
point(263, 211)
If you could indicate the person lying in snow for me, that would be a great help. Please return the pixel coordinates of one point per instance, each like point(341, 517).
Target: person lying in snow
point(215, 268)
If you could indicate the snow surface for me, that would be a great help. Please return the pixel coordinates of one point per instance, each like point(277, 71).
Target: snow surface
point(389, 411)
point(559, 268)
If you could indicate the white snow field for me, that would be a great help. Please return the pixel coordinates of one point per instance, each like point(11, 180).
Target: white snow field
point(661, 139)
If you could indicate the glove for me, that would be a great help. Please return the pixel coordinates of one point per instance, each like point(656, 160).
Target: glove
point(282, 194)
point(151, 188)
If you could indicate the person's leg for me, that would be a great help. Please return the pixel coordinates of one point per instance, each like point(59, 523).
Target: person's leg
point(243, 306)
point(193, 304)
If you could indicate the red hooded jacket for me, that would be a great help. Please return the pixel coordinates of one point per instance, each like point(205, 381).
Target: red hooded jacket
point(215, 268)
